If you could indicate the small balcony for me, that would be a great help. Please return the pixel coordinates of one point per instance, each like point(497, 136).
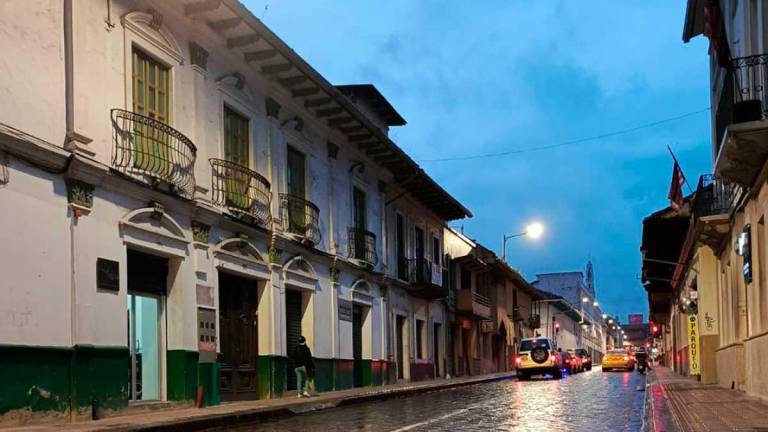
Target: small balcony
point(713, 203)
point(470, 302)
point(362, 247)
point(300, 219)
point(152, 151)
point(240, 190)
point(425, 278)
point(741, 129)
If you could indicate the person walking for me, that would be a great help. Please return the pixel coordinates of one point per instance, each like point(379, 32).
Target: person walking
point(304, 366)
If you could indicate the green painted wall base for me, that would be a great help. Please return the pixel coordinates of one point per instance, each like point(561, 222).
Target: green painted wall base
point(182, 375)
point(209, 377)
point(63, 379)
point(272, 376)
point(338, 374)
point(344, 377)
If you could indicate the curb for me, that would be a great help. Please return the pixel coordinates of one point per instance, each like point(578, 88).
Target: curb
point(252, 415)
point(658, 413)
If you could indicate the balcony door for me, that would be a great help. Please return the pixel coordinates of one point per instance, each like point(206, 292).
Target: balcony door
point(400, 244)
point(420, 266)
point(359, 221)
point(151, 98)
point(237, 151)
point(296, 185)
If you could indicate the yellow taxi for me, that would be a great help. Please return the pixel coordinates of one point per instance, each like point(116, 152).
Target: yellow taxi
point(618, 359)
point(537, 356)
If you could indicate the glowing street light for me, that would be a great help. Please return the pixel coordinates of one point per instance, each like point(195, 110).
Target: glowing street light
point(585, 299)
point(534, 230)
point(595, 303)
point(605, 316)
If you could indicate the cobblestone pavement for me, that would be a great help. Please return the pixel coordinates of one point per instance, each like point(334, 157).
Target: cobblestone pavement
point(593, 401)
point(698, 407)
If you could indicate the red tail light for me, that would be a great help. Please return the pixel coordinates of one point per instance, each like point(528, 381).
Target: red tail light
point(626, 358)
point(567, 361)
point(518, 360)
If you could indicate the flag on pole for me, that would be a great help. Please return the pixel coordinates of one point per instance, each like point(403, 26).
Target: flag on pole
point(714, 29)
point(676, 188)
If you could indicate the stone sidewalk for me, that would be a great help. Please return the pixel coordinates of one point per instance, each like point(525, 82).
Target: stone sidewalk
point(677, 403)
point(230, 414)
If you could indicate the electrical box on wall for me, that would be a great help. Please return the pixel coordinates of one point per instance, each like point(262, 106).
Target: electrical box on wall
point(206, 330)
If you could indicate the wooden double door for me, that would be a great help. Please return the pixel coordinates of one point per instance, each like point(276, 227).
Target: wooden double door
point(239, 335)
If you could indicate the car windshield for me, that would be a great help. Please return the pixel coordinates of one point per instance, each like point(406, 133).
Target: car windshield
point(530, 344)
point(617, 352)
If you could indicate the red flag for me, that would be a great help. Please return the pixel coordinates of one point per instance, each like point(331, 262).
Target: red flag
point(714, 29)
point(676, 188)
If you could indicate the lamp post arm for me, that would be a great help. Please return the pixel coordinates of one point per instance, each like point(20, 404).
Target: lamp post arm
point(504, 244)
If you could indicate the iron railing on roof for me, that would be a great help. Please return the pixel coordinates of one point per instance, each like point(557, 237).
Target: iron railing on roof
point(362, 245)
point(150, 148)
point(241, 190)
point(300, 218)
point(714, 196)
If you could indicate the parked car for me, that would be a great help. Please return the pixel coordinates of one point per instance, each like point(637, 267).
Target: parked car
point(618, 359)
point(537, 356)
point(586, 359)
point(576, 362)
point(570, 362)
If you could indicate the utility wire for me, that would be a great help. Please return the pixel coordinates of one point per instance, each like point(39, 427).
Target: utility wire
point(568, 143)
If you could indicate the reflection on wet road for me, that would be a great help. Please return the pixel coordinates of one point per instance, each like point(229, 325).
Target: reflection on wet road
point(593, 401)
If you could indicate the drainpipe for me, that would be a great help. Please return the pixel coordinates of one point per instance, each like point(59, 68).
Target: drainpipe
point(68, 74)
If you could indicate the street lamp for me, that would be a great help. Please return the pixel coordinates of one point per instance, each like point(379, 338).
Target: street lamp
point(595, 303)
point(533, 230)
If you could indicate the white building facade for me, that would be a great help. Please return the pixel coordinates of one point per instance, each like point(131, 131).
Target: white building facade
point(185, 196)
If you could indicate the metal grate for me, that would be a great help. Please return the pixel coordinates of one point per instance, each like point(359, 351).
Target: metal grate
point(145, 146)
point(240, 190)
point(300, 217)
point(362, 245)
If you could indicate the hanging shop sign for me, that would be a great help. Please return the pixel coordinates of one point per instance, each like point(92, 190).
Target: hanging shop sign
point(693, 345)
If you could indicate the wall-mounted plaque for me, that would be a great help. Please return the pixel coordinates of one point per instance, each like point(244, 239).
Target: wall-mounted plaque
point(345, 310)
point(107, 274)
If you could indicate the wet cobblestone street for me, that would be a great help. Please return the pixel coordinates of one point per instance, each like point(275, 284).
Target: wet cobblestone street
point(593, 401)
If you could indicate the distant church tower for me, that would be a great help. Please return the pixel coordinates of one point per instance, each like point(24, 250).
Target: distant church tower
point(590, 279)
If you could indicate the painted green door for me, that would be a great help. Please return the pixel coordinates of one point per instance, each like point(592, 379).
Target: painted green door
point(357, 344)
point(292, 330)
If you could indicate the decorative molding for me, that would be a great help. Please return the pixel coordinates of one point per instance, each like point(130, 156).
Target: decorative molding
point(273, 108)
point(200, 232)
point(239, 256)
point(239, 80)
point(275, 255)
point(149, 25)
point(198, 55)
point(80, 193)
point(157, 19)
point(334, 274)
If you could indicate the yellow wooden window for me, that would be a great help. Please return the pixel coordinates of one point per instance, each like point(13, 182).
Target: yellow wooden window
point(236, 150)
point(151, 98)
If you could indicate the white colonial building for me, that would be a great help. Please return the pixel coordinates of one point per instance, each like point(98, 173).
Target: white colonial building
point(183, 196)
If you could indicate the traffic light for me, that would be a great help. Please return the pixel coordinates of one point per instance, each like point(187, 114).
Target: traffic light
point(654, 329)
point(557, 327)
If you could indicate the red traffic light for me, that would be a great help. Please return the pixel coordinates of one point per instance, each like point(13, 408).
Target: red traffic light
point(654, 329)
point(557, 327)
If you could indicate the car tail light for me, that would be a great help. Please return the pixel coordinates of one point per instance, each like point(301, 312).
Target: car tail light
point(626, 358)
point(518, 360)
point(567, 361)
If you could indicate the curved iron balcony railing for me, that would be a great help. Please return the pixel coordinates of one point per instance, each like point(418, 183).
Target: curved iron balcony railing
point(362, 245)
point(300, 218)
point(241, 190)
point(422, 271)
point(145, 146)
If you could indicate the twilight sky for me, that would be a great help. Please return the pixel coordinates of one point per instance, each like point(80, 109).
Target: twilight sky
point(488, 76)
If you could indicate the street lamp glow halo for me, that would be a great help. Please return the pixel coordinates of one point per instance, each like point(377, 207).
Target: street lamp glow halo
point(534, 230)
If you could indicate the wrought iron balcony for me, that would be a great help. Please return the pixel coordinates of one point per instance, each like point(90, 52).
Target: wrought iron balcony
point(362, 246)
point(750, 82)
point(240, 190)
point(300, 218)
point(145, 147)
point(714, 197)
point(424, 277)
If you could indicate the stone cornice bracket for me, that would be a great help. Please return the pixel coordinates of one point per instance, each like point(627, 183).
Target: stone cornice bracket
point(79, 197)
point(77, 143)
point(157, 19)
point(273, 108)
point(198, 56)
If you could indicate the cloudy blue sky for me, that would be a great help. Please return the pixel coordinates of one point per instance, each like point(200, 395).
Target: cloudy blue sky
point(486, 76)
